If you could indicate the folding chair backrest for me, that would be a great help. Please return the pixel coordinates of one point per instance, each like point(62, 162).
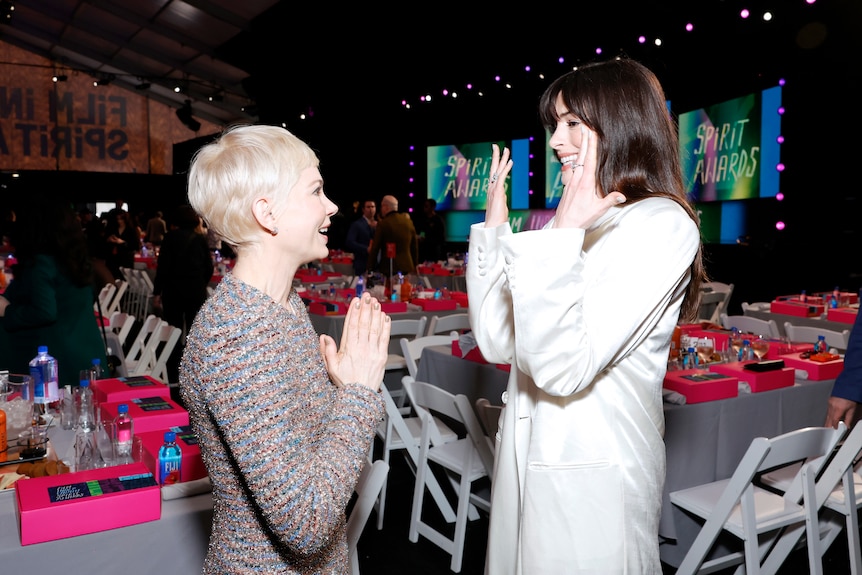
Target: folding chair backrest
point(412, 348)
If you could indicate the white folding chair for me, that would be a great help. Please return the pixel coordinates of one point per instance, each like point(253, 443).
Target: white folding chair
point(467, 463)
point(459, 322)
point(121, 323)
point(164, 339)
point(714, 301)
point(830, 491)
point(754, 515)
point(130, 302)
point(411, 328)
point(401, 432)
point(371, 481)
point(489, 416)
point(748, 324)
point(137, 358)
point(412, 348)
point(755, 306)
point(105, 295)
point(120, 290)
point(807, 334)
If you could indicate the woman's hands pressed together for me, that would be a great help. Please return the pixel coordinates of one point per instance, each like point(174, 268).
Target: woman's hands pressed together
point(582, 202)
point(364, 345)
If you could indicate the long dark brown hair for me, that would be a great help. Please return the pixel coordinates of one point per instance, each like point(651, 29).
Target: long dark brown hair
point(623, 102)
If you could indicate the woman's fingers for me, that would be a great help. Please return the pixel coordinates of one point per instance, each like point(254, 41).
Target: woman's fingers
point(497, 211)
point(364, 344)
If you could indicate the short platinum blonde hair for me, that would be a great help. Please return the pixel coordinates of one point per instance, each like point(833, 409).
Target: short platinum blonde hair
point(245, 163)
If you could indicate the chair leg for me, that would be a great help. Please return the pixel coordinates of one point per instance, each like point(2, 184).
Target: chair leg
point(418, 497)
point(460, 525)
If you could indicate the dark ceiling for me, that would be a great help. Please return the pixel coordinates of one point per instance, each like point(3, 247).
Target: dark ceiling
point(347, 68)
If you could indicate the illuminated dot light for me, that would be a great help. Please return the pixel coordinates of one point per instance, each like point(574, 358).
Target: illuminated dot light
point(689, 27)
point(641, 39)
point(779, 225)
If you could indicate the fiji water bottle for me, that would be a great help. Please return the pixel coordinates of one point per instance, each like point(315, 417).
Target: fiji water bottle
point(820, 346)
point(360, 285)
point(170, 460)
point(43, 370)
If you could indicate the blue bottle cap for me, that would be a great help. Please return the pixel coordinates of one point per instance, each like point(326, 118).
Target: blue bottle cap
point(84, 383)
point(43, 349)
point(170, 436)
point(123, 408)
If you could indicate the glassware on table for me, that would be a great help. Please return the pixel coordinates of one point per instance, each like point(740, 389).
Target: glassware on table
point(760, 346)
point(17, 400)
point(736, 340)
point(705, 348)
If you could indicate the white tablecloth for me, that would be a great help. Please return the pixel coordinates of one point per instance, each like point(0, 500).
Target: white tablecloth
point(174, 544)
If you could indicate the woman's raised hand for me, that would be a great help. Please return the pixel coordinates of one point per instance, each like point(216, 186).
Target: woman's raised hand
point(364, 345)
point(582, 202)
point(497, 212)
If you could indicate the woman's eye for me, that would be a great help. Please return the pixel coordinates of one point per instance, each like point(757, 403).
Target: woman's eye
point(573, 123)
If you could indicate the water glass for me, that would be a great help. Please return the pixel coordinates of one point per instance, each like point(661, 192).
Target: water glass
point(68, 412)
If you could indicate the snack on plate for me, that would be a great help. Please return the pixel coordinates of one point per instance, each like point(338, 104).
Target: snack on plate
point(8, 480)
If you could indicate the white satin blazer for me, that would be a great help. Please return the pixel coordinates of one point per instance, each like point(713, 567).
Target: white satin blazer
point(585, 317)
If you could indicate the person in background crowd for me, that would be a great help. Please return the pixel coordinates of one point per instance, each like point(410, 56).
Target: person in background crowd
point(359, 236)
point(157, 227)
point(7, 223)
point(94, 231)
point(50, 300)
point(394, 231)
point(123, 239)
point(432, 235)
point(283, 417)
point(580, 463)
point(847, 389)
point(183, 272)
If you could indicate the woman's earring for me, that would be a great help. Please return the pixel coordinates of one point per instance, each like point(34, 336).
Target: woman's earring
point(274, 231)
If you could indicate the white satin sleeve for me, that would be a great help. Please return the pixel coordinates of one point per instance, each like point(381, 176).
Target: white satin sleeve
point(490, 302)
point(578, 310)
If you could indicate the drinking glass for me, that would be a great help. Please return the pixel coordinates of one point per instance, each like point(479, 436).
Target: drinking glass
point(760, 347)
point(736, 345)
point(705, 348)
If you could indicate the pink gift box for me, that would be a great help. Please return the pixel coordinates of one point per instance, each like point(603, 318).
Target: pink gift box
point(394, 306)
point(435, 304)
point(699, 385)
point(757, 381)
point(59, 506)
point(817, 370)
point(797, 308)
point(192, 466)
point(460, 297)
point(149, 413)
point(845, 297)
point(842, 314)
point(779, 349)
point(121, 389)
point(327, 308)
